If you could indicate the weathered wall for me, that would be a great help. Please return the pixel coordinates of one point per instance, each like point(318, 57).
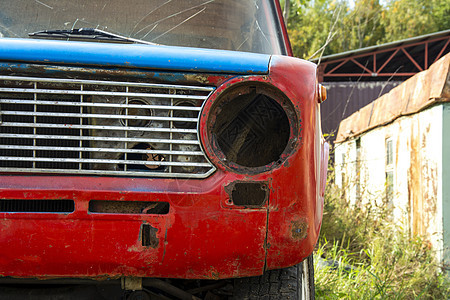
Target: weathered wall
point(417, 170)
point(345, 169)
point(445, 187)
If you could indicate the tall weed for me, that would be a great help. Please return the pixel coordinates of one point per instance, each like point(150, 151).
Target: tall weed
point(362, 254)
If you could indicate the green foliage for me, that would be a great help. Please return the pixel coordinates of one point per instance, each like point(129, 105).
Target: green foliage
point(408, 18)
point(375, 258)
point(309, 26)
point(363, 21)
point(312, 24)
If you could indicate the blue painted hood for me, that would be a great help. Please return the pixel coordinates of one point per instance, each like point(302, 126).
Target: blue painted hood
point(133, 56)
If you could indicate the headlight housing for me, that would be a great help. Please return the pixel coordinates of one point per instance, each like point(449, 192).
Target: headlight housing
point(252, 127)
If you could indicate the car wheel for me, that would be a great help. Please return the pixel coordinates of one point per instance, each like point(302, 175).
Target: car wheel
point(294, 283)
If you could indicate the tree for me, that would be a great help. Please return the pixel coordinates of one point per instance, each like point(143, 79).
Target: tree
point(441, 13)
point(310, 24)
point(339, 26)
point(364, 24)
point(404, 18)
point(350, 28)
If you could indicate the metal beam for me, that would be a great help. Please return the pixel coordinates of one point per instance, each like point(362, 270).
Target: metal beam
point(412, 59)
point(388, 60)
point(402, 74)
point(360, 65)
point(442, 50)
point(373, 55)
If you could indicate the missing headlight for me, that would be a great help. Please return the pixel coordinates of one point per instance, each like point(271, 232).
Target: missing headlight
point(252, 126)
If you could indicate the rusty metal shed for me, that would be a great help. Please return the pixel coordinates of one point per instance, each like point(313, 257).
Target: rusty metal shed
point(396, 152)
point(356, 78)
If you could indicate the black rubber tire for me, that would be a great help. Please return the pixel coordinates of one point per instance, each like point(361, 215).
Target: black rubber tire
point(293, 283)
point(307, 287)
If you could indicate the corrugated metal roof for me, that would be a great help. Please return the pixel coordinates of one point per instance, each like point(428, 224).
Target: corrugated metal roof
point(415, 94)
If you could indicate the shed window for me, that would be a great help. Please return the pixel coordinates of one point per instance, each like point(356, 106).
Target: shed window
point(389, 171)
point(389, 154)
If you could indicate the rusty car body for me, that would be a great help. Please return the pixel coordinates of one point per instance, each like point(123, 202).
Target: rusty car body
point(189, 149)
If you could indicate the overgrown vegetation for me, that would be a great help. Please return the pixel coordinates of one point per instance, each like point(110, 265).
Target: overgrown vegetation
point(362, 254)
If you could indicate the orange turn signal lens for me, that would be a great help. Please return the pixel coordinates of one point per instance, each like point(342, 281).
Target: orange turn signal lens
point(322, 93)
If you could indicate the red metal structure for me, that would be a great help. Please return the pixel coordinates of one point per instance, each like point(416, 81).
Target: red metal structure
point(398, 59)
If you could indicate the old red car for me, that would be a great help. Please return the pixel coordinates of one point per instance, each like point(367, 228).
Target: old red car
point(143, 140)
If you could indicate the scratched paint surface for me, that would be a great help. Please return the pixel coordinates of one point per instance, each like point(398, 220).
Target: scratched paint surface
point(138, 56)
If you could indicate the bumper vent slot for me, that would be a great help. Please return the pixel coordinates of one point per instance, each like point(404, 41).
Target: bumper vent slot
point(70, 126)
point(36, 206)
point(129, 207)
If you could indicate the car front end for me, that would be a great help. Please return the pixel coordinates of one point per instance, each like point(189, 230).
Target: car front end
point(149, 160)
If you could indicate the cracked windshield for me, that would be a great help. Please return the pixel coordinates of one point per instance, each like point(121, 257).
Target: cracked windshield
point(217, 24)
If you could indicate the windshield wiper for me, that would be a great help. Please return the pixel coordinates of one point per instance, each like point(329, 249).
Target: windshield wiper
point(86, 33)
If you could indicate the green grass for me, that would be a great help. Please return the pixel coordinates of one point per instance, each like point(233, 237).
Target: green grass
point(376, 258)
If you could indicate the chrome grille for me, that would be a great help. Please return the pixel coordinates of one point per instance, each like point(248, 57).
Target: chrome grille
point(101, 127)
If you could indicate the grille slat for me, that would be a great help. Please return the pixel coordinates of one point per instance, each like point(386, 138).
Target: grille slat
point(79, 149)
point(95, 93)
point(96, 138)
point(115, 173)
point(101, 127)
point(43, 125)
point(98, 116)
point(108, 83)
point(84, 104)
point(103, 161)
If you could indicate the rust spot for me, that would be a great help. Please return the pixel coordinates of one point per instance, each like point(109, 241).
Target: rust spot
point(299, 229)
point(148, 237)
point(115, 74)
point(198, 78)
point(422, 184)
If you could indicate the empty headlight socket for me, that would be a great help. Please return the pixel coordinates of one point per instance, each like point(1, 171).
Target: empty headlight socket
point(252, 128)
point(247, 194)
